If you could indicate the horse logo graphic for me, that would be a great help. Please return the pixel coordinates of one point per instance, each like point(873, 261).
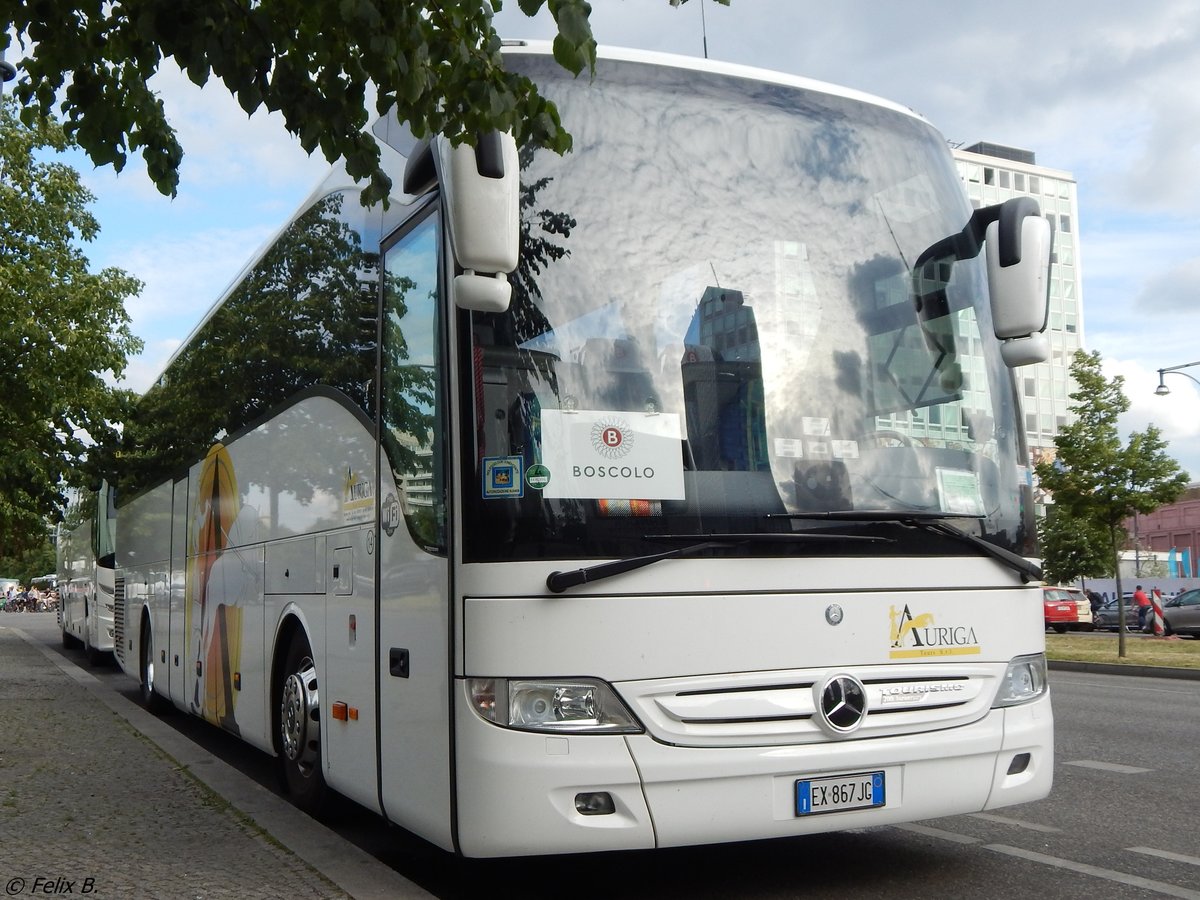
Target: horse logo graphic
point(903, 624)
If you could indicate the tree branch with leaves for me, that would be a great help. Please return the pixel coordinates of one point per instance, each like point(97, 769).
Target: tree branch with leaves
point(436, 63)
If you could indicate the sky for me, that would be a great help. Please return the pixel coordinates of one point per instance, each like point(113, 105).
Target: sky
point(1106, 89)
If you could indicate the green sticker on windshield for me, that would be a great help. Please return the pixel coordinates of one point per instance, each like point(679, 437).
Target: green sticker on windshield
point(537, 476)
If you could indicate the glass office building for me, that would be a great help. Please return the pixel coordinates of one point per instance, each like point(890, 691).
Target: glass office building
point(992, 174)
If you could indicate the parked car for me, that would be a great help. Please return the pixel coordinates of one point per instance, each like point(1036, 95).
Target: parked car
point(1066, 609)
point(1105, 618)
point(1181, 614)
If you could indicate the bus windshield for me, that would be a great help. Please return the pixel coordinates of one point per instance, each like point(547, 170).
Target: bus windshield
point(725, 316)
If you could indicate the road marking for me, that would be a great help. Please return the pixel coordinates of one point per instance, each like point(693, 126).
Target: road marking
point(1032, 826)
point(1107, 767)
point(951, 836)
point(1166, 854)
point(1132, 687)
point(1160, 887)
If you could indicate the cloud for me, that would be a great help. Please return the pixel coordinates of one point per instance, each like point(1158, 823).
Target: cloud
point(1177, 415)
point(144, 369)
point(1175, 291)
point(185, 276)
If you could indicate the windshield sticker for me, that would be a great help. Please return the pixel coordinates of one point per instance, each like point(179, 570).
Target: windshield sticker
point(844, 449)
point(598, 454)
point(818, 450)
point(789, 447)
point(502, 477)
point(815, 426)
point(537, 477)
point(958, 492)
point(922, 636)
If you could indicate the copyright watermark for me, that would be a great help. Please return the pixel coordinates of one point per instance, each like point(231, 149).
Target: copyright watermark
point(41, 885)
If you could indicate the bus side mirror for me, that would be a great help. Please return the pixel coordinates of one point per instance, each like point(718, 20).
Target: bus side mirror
point(481, 187)
point(1018, 266)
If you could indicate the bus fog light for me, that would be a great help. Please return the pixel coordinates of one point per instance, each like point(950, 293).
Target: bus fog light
point(1019, 764)
point(1024, 680)
point(599, 803)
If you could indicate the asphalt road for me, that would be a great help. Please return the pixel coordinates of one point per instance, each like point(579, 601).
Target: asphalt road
point(1120, 822)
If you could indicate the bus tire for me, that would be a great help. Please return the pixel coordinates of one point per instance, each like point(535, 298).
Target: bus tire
point(151, 699)
point(94, 656)
point(298, 736)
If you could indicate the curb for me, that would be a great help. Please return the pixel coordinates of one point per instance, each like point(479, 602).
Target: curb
point(344, 864)
point(1067, 665)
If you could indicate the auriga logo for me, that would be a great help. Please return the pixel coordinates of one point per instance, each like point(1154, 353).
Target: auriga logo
point(921, 636)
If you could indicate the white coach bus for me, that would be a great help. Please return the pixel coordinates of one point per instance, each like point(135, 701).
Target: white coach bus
point(667, 492)
point(84, 551)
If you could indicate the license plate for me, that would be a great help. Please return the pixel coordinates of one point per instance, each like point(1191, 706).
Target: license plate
point(839, 792)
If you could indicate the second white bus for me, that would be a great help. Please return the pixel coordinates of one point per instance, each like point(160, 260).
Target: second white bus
point(86, 581)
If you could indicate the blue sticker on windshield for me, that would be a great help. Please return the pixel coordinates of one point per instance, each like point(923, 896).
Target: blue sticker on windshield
point(502, 477)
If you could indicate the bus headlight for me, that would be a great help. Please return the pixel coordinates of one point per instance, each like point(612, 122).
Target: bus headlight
point(574, 705)
point(1024, 680)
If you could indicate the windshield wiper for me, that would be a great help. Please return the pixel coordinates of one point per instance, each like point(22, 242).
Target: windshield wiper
point(558, 582)
point(928, 521)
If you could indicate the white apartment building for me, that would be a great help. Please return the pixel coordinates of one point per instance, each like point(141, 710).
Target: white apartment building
point(993, 174)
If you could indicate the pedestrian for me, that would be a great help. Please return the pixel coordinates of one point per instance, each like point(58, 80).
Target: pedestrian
point(1143, 604)
point(1095, 600)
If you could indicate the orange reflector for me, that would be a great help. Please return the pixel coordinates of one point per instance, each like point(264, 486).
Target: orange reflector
point(354, 714)
point(339, 711)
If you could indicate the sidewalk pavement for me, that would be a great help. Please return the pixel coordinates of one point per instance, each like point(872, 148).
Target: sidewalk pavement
point(98, 798)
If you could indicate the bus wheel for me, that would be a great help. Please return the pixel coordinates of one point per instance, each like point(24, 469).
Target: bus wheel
point(94, 656)
point(300, 729)
point(150, 698)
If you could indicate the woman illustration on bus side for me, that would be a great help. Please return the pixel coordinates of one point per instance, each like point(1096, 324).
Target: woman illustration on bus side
point(214, 624)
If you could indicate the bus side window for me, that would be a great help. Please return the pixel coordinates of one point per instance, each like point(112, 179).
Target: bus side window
point(412, 404)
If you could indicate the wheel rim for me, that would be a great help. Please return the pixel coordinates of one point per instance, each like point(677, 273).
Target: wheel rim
point(300, 720)
point(147, 666)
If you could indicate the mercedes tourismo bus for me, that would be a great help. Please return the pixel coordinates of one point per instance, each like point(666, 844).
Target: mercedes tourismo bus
point(84, 549)
point(666, 492)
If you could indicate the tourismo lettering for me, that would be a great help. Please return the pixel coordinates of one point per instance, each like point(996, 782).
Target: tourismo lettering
point(612, 471)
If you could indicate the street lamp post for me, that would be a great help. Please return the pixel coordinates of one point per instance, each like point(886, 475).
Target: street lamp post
point(1162, 390)
point(7, 71)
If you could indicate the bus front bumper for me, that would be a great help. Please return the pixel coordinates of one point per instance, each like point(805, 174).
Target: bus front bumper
point(519, 792)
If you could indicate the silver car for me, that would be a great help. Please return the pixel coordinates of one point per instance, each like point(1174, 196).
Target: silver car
point(1107, 616)
point(1181, 614)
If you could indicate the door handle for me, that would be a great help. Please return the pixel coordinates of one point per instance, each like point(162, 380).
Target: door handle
point(398, 662)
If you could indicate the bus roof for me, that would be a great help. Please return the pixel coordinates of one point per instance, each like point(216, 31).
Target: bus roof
point(735, 70)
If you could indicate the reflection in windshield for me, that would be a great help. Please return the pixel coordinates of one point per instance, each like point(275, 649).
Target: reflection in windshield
point(303, 316)
point(720, 316)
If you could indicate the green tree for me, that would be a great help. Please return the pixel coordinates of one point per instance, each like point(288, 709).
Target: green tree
point(437, 63)
point(65, 329)
point(35, 559)
point(1073, 548)
point(1098, 481)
